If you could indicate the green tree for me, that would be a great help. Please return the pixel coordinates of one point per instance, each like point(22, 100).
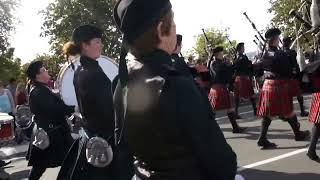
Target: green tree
point(283, 20)
point(216, 37)
point(63, 16)
point(6, 23)
point(9, 66)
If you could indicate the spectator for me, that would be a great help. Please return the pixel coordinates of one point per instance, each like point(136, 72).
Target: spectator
point(12, 86)
point(20, 96)
point(7, 104)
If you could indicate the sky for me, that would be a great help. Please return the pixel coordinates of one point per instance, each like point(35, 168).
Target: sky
point(190, 16)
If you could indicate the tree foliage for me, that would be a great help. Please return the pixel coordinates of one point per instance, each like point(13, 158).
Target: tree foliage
point(6, 23)
point(10, 67)
point(283, 20)
point(63, 16)
point(216, 37)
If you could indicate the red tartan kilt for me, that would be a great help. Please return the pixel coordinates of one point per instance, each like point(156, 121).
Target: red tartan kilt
point(243, 87)
point(315, 108)
point(294, 88)
point(219, 97)
point(274, 99)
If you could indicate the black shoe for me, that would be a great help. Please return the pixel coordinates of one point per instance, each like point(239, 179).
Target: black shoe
point(238, 130)
point(313, 156)
point(302, 136)
point(265, 144)
point(304, 114)
point(4, 163)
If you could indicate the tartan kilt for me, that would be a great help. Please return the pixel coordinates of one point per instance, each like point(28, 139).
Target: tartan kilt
point(294, 88)
point(274, 99)
point(219, 97)
point(243, 87)
point(315, 108)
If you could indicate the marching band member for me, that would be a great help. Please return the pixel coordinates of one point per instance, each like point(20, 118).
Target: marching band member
point(219, 95)
point(243, 87)
point(169, 124)
point(95, 99)
point(274, 98)
point(50, 115)
point(294, 82)
point(178, 60)
point(314, 115)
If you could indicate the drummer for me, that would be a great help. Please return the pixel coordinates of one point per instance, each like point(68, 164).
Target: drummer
point(50, 112)
point(94, 95)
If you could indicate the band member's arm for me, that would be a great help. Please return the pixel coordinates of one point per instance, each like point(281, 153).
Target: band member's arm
point(47, 102)
point(216, 156)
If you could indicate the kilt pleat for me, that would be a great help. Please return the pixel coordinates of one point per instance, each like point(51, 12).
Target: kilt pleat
point(243, 87)
point(219, 97)
point(294, 88)
point(315, 108)
point(274, 99)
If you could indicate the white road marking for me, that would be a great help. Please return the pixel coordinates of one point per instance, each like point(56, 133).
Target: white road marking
point(270, 160)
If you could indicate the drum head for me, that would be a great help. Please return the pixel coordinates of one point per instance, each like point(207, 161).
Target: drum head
point(5, 118)
point(65, 78)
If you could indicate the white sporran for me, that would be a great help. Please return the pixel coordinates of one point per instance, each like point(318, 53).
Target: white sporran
point(41, 139)
point(99, 152)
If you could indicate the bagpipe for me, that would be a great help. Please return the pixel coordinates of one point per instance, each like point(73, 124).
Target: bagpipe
point(308, 14)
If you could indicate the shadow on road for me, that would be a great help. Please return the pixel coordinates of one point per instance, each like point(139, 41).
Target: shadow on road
point(253, 174)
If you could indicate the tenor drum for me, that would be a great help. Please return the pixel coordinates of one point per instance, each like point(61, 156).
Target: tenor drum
point(65, 78)
point(6, 127)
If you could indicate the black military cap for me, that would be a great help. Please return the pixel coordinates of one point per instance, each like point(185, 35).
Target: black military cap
point(179, 39)
point(287, 41)
point(218, 49)
point(134, 17)
point(34, 69)
point(273, 32)
point(85, 33)
point(239, 45)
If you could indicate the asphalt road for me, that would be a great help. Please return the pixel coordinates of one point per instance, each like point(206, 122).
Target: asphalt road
point(287, 162)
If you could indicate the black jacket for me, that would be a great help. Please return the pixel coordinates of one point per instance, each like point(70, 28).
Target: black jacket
point(221, 72)
point(95, 98)
point(292, 55)
point(277, 63)
point(171, 128)
point(94, 95)
point(50, 112)
point(181, 65)
point(243, 66)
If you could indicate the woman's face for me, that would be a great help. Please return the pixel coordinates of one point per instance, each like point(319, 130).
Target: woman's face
point(43, 75)
point(168, 41)
point(92, 49)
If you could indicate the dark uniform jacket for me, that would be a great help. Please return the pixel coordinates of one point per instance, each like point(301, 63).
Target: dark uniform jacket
point(292, 55)
point(95, 98)
point(50, 114)
point(170, 127)
point(276, 64)
point(181, 65)
point(221, 72)
point(243, 66)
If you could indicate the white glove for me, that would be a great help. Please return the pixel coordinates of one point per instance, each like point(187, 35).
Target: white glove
point(76, 109)
point(239, 177)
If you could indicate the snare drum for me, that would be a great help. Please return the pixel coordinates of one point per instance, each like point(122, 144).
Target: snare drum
point(6, 127)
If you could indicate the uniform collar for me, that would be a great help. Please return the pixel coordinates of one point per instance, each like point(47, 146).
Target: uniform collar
point(86, 61)
point(157, 58)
